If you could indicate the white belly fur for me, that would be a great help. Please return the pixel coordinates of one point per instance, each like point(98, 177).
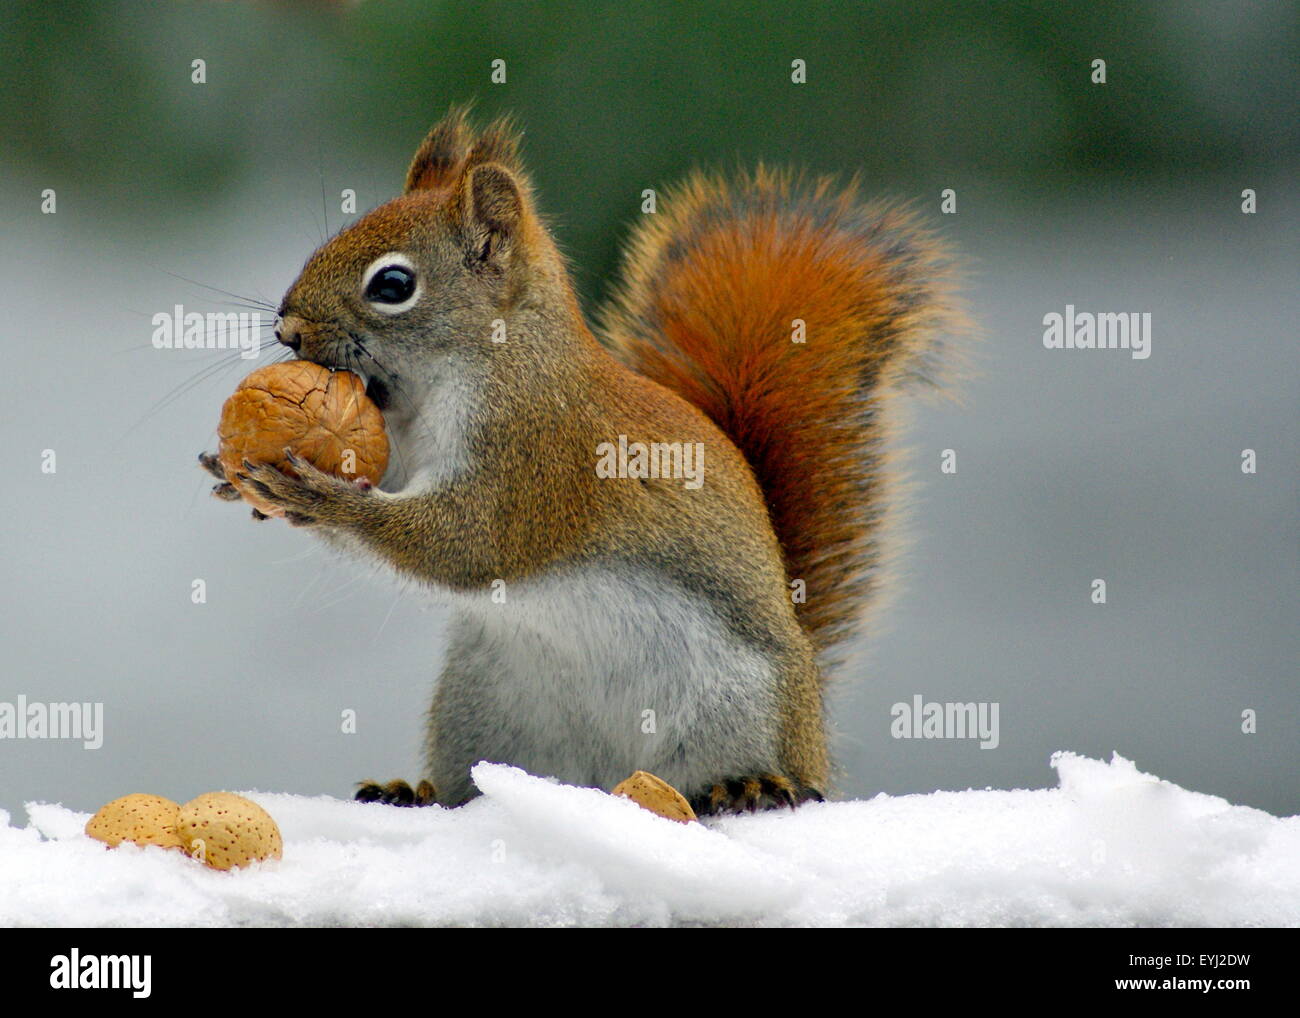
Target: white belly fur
point(558, 679)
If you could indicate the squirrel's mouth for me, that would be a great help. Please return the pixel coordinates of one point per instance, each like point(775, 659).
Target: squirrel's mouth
point(377, 390)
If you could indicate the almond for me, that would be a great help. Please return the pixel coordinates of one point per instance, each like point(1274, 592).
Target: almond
point(138, 818)
point(656, 795)
point(227, 831)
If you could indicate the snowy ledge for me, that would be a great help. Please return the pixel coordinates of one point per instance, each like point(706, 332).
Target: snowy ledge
point(1110, 846)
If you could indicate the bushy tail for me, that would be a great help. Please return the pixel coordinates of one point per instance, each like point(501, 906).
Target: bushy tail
point(715, 287)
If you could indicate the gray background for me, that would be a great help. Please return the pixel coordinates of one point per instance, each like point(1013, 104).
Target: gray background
point(1072, 465)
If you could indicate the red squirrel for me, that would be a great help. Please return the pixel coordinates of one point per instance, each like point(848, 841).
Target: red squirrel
point(654, 537)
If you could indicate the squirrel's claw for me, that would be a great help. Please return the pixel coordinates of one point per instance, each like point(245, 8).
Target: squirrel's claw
point(209, 462)
point(226, 491)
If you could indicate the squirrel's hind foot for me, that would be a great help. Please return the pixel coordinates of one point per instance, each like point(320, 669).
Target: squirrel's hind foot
point(396, 793)
point(751, 794)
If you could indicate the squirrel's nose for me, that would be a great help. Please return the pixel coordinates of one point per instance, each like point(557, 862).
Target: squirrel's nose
point(289, 332)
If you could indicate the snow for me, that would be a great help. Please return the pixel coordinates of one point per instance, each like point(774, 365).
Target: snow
point(1109, 846)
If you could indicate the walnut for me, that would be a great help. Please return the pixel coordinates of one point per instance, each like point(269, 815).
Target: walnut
point(322, 416)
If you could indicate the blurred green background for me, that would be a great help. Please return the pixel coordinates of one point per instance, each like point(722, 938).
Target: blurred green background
point(619, 96)
point(1072, 464)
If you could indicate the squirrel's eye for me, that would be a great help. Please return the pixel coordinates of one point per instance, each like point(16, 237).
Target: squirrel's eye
point(392, 284)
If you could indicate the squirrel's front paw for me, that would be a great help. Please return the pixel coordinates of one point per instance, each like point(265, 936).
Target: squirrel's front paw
point(312, 497)
point(396, 793)
point(223, 489)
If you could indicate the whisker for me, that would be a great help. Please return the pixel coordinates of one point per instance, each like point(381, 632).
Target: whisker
point(320, 169)
point(208, 372)
point(264, 340)
point(249, 301)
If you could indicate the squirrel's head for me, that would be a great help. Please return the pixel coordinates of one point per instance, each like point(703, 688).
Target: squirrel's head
point(439, 272)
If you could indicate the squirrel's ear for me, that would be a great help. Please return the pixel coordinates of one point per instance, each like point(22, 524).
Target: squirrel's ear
point(492, 211)
point(441, 155)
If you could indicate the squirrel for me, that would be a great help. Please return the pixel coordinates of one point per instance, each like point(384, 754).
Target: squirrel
point(610, 614)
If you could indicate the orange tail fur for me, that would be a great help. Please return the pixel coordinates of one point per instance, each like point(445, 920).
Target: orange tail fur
point(715, 287)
